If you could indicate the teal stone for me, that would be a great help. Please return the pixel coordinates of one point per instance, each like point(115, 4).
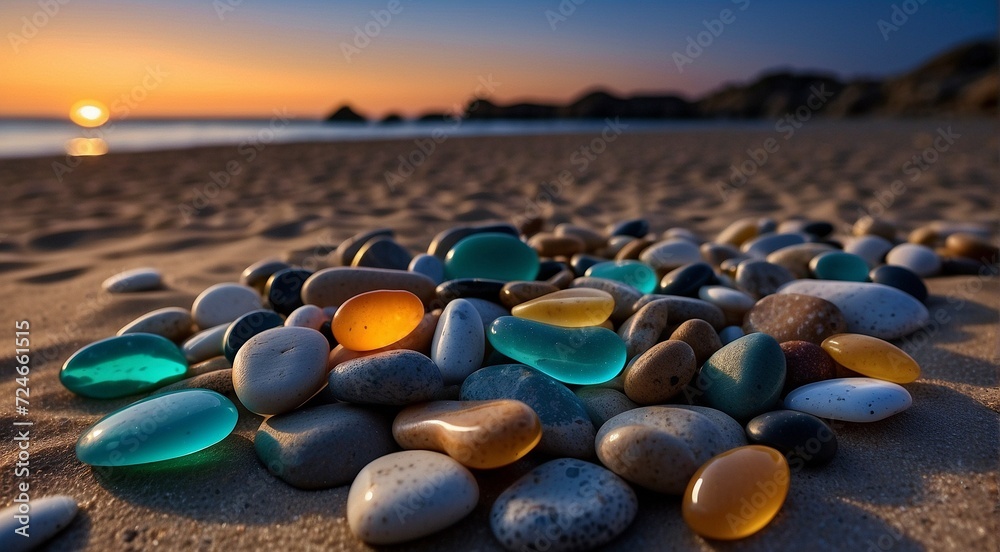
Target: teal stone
point(492, 255)
point(637, 274)
point(123, 365)
point(837, 265)
point(744, 378)
point(161, 427)
point(581, 356)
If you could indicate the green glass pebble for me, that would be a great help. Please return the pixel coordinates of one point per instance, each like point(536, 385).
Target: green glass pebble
point(161, 427)
point(492, 255)
point(837, 265)
point(581, 356)
point(634, 273)
point(123, 365)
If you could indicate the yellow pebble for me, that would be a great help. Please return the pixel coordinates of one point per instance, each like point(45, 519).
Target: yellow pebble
point(872, 357)
point(569, 308)
point(377, 318)
point(736, 493)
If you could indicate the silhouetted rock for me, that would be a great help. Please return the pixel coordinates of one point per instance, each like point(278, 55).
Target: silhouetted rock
point(392, 118)
point(345, 115)
point(770, 96)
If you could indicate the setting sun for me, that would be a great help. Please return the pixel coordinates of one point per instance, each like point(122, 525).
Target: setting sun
point(89, 113)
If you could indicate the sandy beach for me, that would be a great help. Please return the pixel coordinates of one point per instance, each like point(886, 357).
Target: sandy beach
point(926, 479)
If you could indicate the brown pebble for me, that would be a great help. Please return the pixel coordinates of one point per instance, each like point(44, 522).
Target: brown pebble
point(716, 253)
point(642, 330)
point(551, 245)
point(701, 336)
point(514, 293)
point(592, 240)
point(531, 226)
point(615, 244)
point(330, 287)
point(220, 381)
point(624, 294)
point(924, 236)
point(805, 363)
point(971, 247)
point(739, 231)
point(633, 249)
point(660, 373)
point(682, 309)
point(418, 340)
point(795, 317)
point(868, 226)
point(795, 258)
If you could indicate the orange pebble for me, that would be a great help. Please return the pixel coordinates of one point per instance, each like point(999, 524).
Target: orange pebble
point(377, 318)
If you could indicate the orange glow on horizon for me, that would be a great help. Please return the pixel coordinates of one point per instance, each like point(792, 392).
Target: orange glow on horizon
point(89, 113)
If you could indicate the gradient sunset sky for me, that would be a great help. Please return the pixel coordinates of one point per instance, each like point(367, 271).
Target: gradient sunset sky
point(246, 58)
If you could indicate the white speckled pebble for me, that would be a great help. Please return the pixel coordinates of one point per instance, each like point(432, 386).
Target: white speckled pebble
point(46, 517)
point(137, 279)
point(279, 369)
point(459, 341)
point(307, 316)
point(564, 504)
point(173, 323)
point(407, 495)
point(919, 258)
point(224, 303)
point(870, 309)
point(850, 399)
point(205, 344)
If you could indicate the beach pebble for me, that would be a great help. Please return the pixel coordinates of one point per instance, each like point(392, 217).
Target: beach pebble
point(850, 399)
point(592, 240)
point(687, 280)
point(872, 357)
point(407, 495)
point(220, 381)
point(702, 338)
point(429, 266)
point(615, 244)
point(667, 255)
point(173, 323)
point(459, 342)
point(633, 249)
point(492, 255)
point(331, 287)
point(923, 235)
point(348, 249)
point(394, 378)
point(759, 278)
point(566, 426)
point(123, 365)
point(637, 228)
point(900, 278)
point(223, 303)
point(871, 309)
point(791, 316)
point(479, 434)
point(642, 330)
point(738, 232)
point(837, 265)
point(488, 310)
point(376, 319)
point(283, 290)
point(382, 253)
point(137, 279)
point(802, 438)
point(205, 344)
point(682, 309)
point(733, 434)
point(729, 334)
point(660, 373)
point(627, 271)
point(922, 260)
point(550, 245)
point(870, 248)
point(603, 403)
point(247, 326)
point(419, 340)
point(868, 226)
point(469, 288)
point(658, 447)
point(46, 517)
point(795, 258)
point(257, 274)
point(805, 363)
point(625, 295)
point(727, 299)
point(306, 448)
point(972, 247)
point(446, 239)
point(307, 316)
point(569, 308)
point(716, 253)
point(563, 505)
point(279, 369)
point(762, 246)
point(745, 377)
point(514, 293)
point(681, 233)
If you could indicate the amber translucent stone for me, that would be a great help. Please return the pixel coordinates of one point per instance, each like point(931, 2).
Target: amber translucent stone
point(873, 357)
point(569, 308)
point(376, 319)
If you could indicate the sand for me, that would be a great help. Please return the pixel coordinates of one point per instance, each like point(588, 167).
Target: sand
point(925, 479)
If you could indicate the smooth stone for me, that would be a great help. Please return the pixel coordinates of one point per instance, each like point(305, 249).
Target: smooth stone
point(459, 342)
point(805, 363)
point(429, 266)
point(479, 434)
point(922, 260)
point(682, 233)
point(514, 293)
point(592, 240)
point(867, 225)
point(205, 344)
point(850, 399)
point(570, 308)
point(759, 278)
point(376, 319)
point(762, 246)
point(633, 249)
point(715, 253)
point(660, 373)
point(745, 377)
point(900, 278)
point(550, 245)
point(284, 289)
point(871, 309)
point(393, 378)
point(547, 268)
point(837, 265)
point(220, 381)
point(923, 235)
point(682, 309)
point(729, 334)
point(701, 336)
point(331, 287)
point(802, 438)
point(572, 355)
point(160, 427)
point(603, 403)
point(223, 303)
point(796, 258)
point(211, 365)
point(136, 279)
point(872, 357)
point(307, 316)
point(420, 340)
point(636, 228)
point(48, 516)
point(566, 426)
point(306, 448)
point(688, 279)
point(642, 330)
point(971, 246)
point(493, 256)
point(947, 228)
point(488, 310)
point(563, 505)
point(795, 317)
point(634, 273)
point(561, 279)
point(733, 433)
point(469, 288)
point(173, 323)
point(715, 500)
point(407, 495)
point(279, 369)
point(664, 256)
point(257, 274)
point(382, 253)
point(964, 267)
point(247, 326)
point(123, 365)
point(658, 447)
point(818, 228)
point(625, 295)
point(444, 241)
point(870, 248)
point(738, 232)
point(348, 249)
point(727, 299)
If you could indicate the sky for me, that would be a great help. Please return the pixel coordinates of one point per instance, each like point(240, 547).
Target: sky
point(252, 58)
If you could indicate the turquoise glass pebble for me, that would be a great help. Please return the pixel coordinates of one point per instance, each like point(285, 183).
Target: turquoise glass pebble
point(161, 427)
point(580, 356)
point(837, 265)
point(634, 273)
point(492, 255)
point(123, 365)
